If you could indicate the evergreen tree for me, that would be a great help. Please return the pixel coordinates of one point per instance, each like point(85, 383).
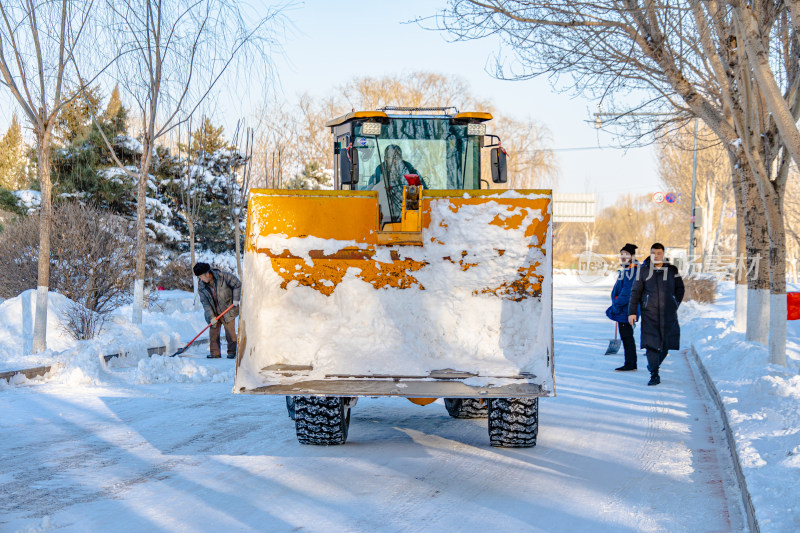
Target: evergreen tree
point(75, 119)
point(208, 138)
point(313, 177)
point(115, 118)
point(83, 168)
point(12, 158)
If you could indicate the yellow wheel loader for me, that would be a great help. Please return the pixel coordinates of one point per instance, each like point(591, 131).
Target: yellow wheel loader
point(412, 278)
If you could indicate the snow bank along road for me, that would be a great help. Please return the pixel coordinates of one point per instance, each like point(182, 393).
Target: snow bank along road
point(613, 455)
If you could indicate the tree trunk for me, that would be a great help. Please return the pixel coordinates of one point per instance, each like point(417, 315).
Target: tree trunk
point(757, 260)
point(141, 233)
point(718, 231)
point(45, 216)
point(740, 275)
point(190, 222)
point(708, 215)
point(777, 262)
point(758, 59)
point(772, 213)
point(740, 306)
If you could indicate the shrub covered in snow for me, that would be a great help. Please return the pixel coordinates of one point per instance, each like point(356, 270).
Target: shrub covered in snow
point(211, 178)
point(313, 177)
point(91, 261)
point(29, 200)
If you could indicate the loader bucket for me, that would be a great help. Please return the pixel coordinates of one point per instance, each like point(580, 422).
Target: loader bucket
point(333, 304)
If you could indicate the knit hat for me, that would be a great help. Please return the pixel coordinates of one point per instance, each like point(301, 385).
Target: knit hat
point(630, 248)
point(201, 268)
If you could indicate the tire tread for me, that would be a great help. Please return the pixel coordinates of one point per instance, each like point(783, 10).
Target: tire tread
point(513, 422)
point(321, 420)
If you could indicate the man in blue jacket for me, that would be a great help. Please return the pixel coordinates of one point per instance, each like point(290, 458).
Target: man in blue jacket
point(620, 297)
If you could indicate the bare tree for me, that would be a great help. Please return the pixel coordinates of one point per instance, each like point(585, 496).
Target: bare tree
point(236, 170)
point(638, 220)
point(238, 190)
point(677, 57)
point(714, 190)
point(174, 55)
point(38, 41)
point(190, 198)
point(759, 24)
point(530, 163)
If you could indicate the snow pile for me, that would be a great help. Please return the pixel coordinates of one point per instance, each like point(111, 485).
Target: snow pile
point(225, 261)
point(172, 321)
point(128, 143)
point(161, 369)
point(446, 318)
point(82, 365)
point(16, 326)
point(118, 175)
point(46, 524)
point(761, 400)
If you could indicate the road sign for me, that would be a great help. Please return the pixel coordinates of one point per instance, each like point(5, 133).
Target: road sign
point(670, 198)
point(658, 197)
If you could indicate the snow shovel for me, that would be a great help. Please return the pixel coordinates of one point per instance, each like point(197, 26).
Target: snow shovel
point(613, 344)
point(180, 351)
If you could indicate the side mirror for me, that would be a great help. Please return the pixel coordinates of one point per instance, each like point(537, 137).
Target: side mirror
point(348, 165)
point(498, 158)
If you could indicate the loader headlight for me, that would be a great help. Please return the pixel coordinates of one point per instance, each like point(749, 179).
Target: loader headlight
point(476, 129)
point(371, 128)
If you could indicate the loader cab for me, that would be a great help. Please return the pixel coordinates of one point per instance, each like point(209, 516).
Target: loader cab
point(375, 150)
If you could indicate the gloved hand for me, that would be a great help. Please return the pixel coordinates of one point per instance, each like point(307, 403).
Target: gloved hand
point(213, 321)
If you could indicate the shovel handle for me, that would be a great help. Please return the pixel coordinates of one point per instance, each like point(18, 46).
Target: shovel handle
point(616, 326)
point(201, 332)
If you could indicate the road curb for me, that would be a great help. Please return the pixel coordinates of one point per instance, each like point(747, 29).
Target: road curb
point(37, 371)
point(749, 509)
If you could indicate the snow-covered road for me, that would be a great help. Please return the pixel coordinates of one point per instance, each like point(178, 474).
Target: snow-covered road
point(613, 455)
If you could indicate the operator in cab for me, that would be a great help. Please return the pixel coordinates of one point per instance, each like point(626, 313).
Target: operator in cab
point(396, 168)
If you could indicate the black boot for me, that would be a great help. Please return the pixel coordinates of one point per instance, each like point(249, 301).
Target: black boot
point(625, 368)
point(653, 361)
point(654, 380)
point(212, 356)
point(231, 356)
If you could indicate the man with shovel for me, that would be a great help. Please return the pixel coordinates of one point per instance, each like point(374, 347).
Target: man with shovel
point(618, 312)
point(217, 291)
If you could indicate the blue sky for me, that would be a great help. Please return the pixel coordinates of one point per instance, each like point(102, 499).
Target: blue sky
point(332, 42)
point(335, 41)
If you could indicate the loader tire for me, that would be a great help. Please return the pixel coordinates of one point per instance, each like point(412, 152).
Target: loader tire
point(290, 401)
point(513, 422)
point(321, 420)
point(466, 407)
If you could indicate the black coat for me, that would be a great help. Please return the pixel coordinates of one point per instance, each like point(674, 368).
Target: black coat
point(660, 292)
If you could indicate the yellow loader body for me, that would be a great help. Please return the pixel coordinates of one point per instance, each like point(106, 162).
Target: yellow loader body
point(454, 300)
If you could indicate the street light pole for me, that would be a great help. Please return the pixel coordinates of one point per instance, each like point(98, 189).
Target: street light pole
point(692, 242)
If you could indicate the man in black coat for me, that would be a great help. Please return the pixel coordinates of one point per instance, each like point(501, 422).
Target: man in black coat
point(659, 289)
point(217, 291)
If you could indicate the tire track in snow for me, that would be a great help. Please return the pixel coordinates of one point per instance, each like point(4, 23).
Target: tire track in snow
point(710, 457)
point(723, 482)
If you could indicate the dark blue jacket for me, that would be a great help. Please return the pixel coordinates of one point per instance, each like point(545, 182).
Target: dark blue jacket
point(621, 294)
